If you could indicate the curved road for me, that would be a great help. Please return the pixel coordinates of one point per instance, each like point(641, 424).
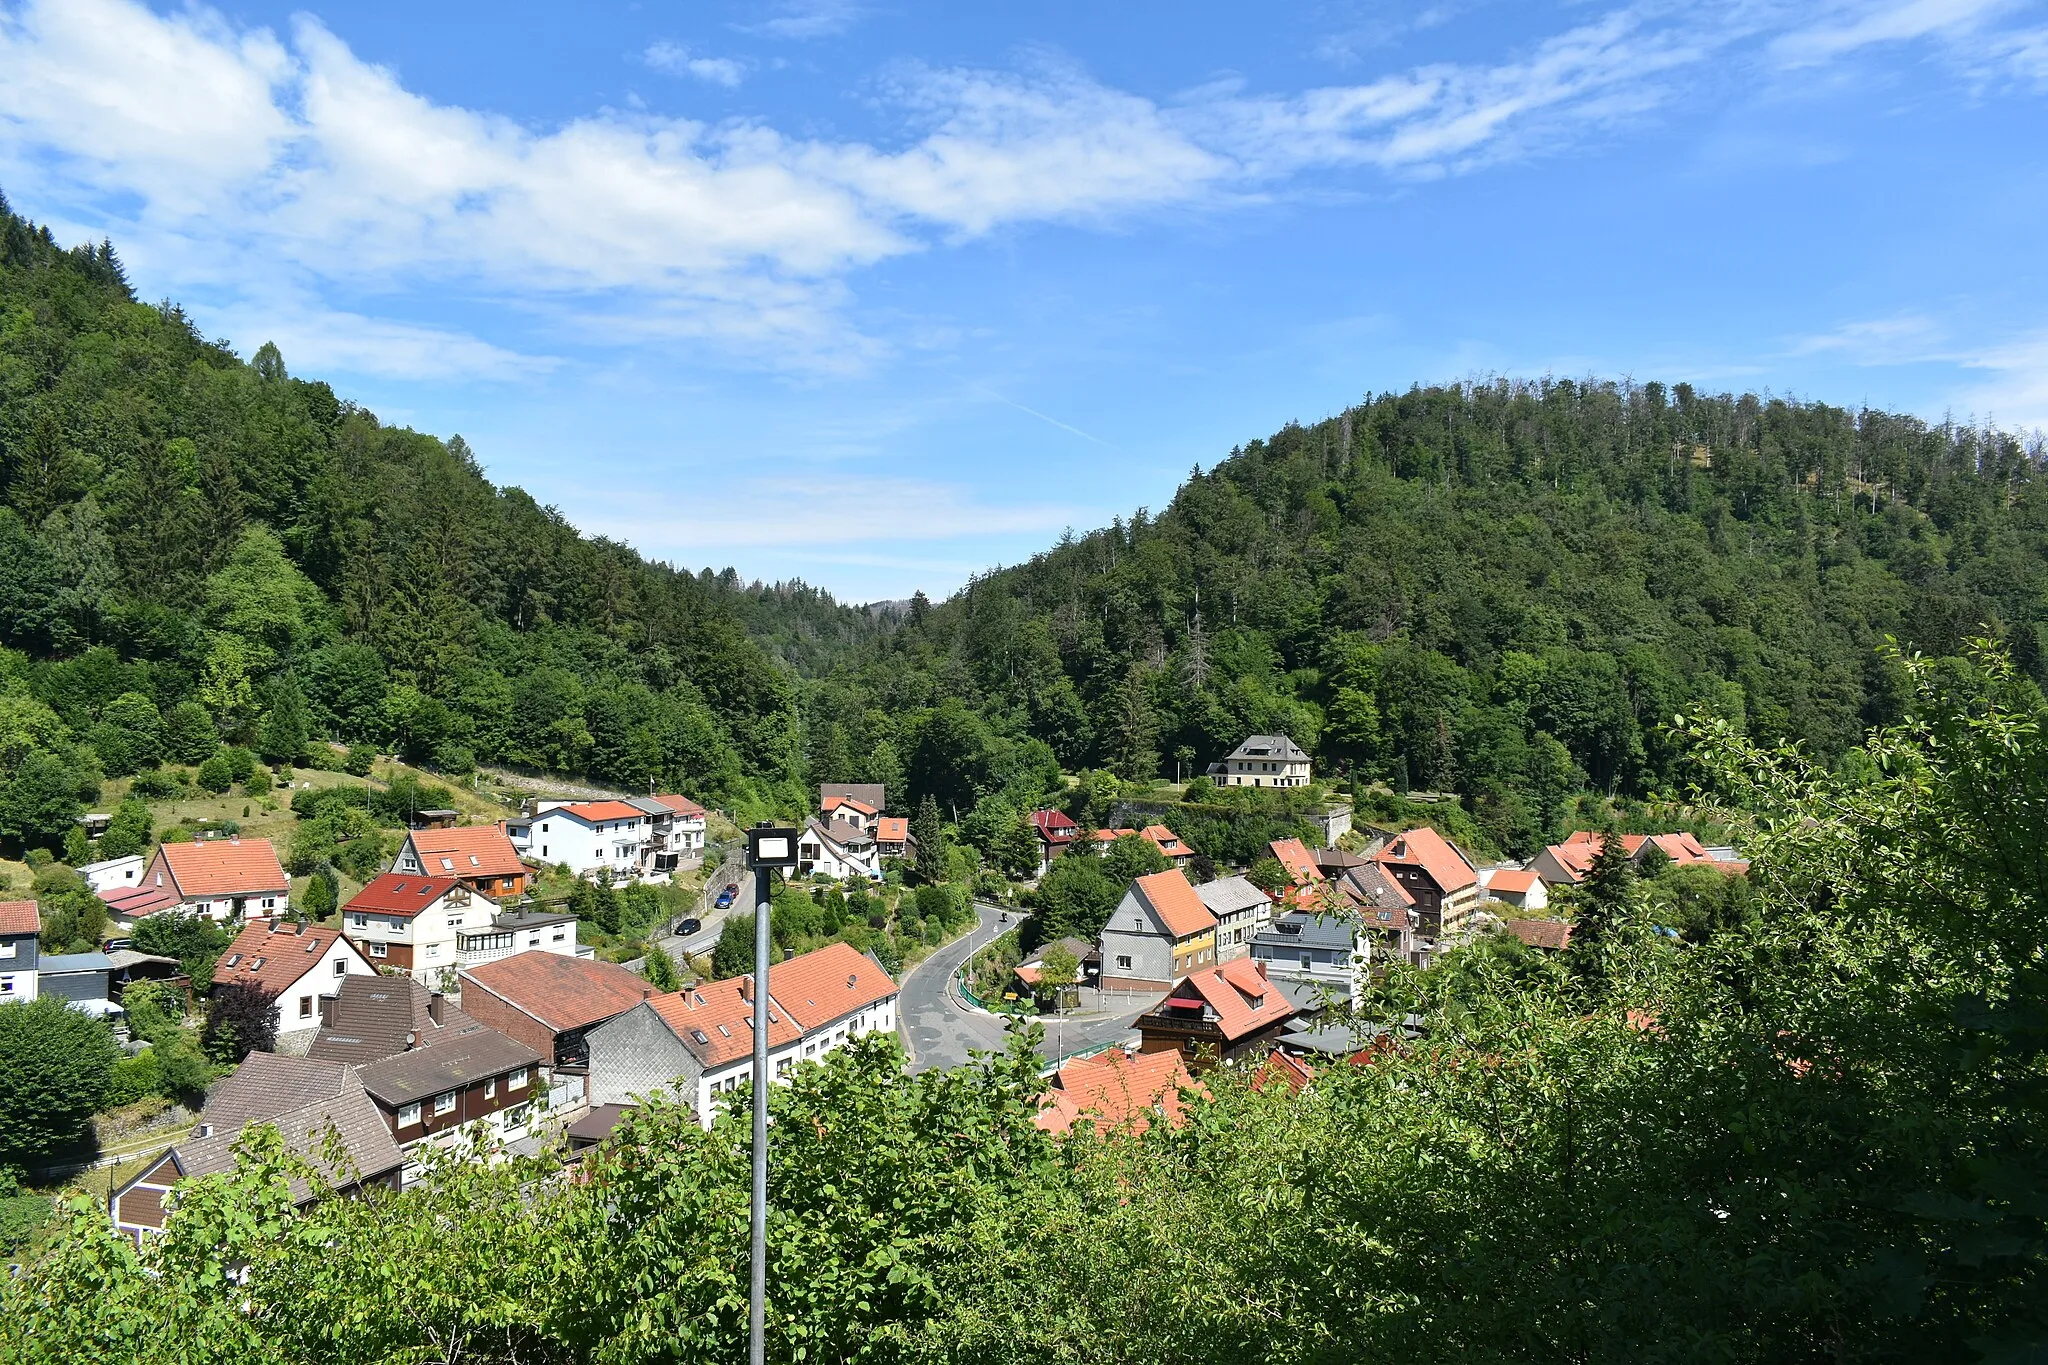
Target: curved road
point(939, 1028)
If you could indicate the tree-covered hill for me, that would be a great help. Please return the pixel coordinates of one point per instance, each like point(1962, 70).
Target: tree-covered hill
point(1501, 589)
point(193, 529)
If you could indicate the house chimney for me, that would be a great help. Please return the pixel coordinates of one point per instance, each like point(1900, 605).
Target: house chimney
point(1260, 964)
point(327, 1004)
point(747, 988)
point(435, 1002)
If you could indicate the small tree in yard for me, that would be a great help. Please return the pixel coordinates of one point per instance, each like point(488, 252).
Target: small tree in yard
point(660, 969)
point(1058, 971)
point(240, 1019)
point(54, 1067)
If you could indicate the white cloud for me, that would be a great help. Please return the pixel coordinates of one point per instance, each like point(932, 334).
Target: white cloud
point(1846, 27)
point(320, 340)
point(675, 59)
point(2016, 394)
point(1901, 340)
point(809, 19)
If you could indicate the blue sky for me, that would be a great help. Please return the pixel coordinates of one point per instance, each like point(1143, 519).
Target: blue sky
point(883, 295)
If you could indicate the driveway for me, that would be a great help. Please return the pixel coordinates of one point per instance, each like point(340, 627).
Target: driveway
point(939, 1028)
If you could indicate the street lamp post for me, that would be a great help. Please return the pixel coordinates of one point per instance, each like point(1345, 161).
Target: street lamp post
point(768, 848)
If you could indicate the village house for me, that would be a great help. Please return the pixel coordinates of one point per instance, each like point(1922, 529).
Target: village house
point(1567, 864)
point(1115, 1090)
point(852, 810)
point(1549, 935)
point(84, 981)
point(701, 1039)
point(1514, 886)
point(892, 837)
point(1030, 973)
point(296, 965)
point(1056, 831)
point(1443, 882)
point(1220, 1013)
point(1263, 761)
point(1384, 911)
point(873, 795)
point(1158, 933)
point(20, 950)
point(519, 931)
point(114, 874)
point(480, 856)
point(427, 1095)
point(1241, 910)
point(1305, 875)
point(587, 837)
point(306, 1100)
point(675, 834)
point(410, 923)
point(836, 849)
point(1170, 845)
point(373, 1017)
point(1314, 955)
point(223, 879)
point(550, 1001)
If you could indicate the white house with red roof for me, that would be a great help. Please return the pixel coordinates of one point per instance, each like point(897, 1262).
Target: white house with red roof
point(589, 837)
point(298, 964)
point(675, 834)
point(1567, 864)
point(412, 922)
point(700, 1040)
point(1056, 831)
point(1516, 886)
point(223, 879)
point(852, 810)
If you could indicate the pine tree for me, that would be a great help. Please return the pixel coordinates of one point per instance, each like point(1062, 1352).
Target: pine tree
point(931, 840)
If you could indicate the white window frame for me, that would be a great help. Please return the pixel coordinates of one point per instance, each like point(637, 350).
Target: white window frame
point(444, 1103)
point(516, 1080)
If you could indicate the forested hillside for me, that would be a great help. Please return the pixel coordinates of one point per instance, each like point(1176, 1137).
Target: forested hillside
point(185, 530)
point(1502, 590)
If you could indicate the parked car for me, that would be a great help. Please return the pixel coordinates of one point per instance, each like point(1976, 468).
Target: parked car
point(687, 927)
point(732, 889)
point(724, 898)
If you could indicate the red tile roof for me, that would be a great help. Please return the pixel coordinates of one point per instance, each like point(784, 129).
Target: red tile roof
point(715, 1019)
point(1239, 994)
point(827, 984)
point(561, 991)
point(467, 851)
point(1423, 847)
point(1512, 880)
point(681, 805)
point(1283, 1068)
point(1553, 934)
point(401, 893)
point(594, 811)
point(1054, 826)
point(1575, 855)
point(832, 803)
point(20, 917)
point(892, 829)
point(224, 867)
point(1167, 841)
point(274, 956)
point(1294, 856)
point(1116, 1088)
point(1174, 901)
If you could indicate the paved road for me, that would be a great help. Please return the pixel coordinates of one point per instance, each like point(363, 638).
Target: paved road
point(940, 1028)
point(706, 938)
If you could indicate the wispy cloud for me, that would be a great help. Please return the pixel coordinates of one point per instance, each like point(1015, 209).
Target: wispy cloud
point(1844, 27)
point(809, 19)
point(675, 60)
point(2013, 390)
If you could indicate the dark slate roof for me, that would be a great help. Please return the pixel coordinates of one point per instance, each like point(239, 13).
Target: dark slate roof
point(267, 1084)
point(1310, 930)
point(374, 1017)
point(448, 1065)
point(367, 1140)
point(597, 1125)
point(529, 919)
point(1269, 746)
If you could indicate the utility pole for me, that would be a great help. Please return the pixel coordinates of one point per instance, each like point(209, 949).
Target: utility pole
point(767, 849)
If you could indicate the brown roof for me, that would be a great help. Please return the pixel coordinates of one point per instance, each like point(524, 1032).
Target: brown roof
point(401, 893)
point(273, 956)
point(1237, 993)
point(20, 917)
point(597, 1125)
point(681, 805)
point(561, 991)
point(225, 867)
point(872, 794)
point(1423, 847)
point(267, 1084)
point(466, 851)
point(1174, 901)
point(374, 1017)
point(1541, 933)
point(827, 984)
point(447, 1065)
point(715, 1020)
point(304, 1124)
point(1116, 1088)
point(1373, 888)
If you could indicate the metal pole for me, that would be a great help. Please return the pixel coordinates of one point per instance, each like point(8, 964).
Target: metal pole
point(757, 1301)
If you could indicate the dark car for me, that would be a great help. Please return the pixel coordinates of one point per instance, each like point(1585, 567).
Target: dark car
point(685, 928)
point(724, 898)
point(732, 888)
